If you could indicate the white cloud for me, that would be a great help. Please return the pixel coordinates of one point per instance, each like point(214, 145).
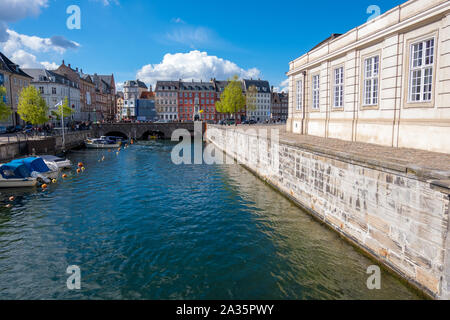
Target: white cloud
point(18, 41)
point(282, 87)
point(178, 20)
point(194, 65)
point(14, 10)
point(18, 47)
point(28, 60)
point(119, 86)
point(50, 65)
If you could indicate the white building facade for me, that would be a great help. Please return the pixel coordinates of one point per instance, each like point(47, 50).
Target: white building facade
point(166, 101)
point(261, 97)
point(55, 88)
point(386, 82)
point(131, 92)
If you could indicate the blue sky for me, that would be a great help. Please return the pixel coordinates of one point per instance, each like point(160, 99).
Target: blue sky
point(177, 39)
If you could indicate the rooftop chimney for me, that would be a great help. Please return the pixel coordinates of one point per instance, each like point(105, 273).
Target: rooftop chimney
point(69, 65)
point(63, 62)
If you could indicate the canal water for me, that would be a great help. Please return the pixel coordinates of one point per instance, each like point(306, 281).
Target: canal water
point(140, 227)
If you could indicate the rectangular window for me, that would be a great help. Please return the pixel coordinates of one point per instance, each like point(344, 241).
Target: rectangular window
point(338, 87)
point(371, 72)
point(421, 71)
point(299, 94)
point(315, 92)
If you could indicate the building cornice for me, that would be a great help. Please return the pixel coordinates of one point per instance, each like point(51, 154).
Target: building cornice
point(442, 9)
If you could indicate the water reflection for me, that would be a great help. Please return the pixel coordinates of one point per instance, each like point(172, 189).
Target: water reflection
point(141, 227)
point(313, 262)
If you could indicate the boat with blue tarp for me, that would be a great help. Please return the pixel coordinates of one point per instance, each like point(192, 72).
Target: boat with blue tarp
point(16, 174)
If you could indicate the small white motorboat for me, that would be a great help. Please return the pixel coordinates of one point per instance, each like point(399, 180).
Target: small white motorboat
point(61, 163)
point(100, 144)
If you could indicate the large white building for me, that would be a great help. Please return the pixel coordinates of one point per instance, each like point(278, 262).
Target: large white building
point(54, 88)
point(166, 101)
point(386, 82)
point(261, 96)
point(131, 92)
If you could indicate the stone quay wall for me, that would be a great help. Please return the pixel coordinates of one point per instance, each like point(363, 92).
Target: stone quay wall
point(396, 215)
point(42, 145)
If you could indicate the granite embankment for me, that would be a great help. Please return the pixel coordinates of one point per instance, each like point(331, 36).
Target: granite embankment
point(21, 145)
point(392, 203)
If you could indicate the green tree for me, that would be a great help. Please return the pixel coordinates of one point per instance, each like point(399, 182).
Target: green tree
point(32, 107)
point(232, 100)
point(5, 111)
point(63, 110)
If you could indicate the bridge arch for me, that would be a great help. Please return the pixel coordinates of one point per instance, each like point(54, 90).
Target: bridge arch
point(117, 134)
point(152, 133)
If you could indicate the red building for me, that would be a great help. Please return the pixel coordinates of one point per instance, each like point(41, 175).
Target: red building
point(196, 101)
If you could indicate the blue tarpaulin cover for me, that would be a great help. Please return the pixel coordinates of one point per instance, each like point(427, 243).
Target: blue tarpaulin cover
point(14, 170)
point(33, 164)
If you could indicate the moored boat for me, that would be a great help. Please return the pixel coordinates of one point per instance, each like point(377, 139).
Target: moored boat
point(16, 175)
point(38, 168)
point(100, 144)
point(103, 143)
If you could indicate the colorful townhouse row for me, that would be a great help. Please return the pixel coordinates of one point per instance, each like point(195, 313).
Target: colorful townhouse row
point(92, 97)
point(196, 100)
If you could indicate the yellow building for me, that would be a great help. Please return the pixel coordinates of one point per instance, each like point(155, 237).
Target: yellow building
point(14, 80)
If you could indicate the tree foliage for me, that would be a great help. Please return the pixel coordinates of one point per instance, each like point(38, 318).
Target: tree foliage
point(5, 111)
point(32, 107)
point(63, 110)
point(232, 100)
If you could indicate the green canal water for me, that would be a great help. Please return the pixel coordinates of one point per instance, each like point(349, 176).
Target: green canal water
point(140, 227)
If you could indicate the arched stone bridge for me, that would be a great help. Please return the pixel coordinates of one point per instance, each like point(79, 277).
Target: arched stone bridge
point(141, 131)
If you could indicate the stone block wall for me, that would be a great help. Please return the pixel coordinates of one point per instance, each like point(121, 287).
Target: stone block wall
point(398, 217)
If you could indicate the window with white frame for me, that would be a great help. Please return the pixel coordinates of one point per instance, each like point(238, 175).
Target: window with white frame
point(371, 74)
point(299, 94)
point(338, 87)
point(421, 71)
point(315, 92)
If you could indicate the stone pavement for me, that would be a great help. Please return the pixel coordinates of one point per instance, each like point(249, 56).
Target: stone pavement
point(12, 138)
point(425, 164)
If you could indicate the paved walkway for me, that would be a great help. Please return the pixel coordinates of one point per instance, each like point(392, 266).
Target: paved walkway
point(429, 164)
